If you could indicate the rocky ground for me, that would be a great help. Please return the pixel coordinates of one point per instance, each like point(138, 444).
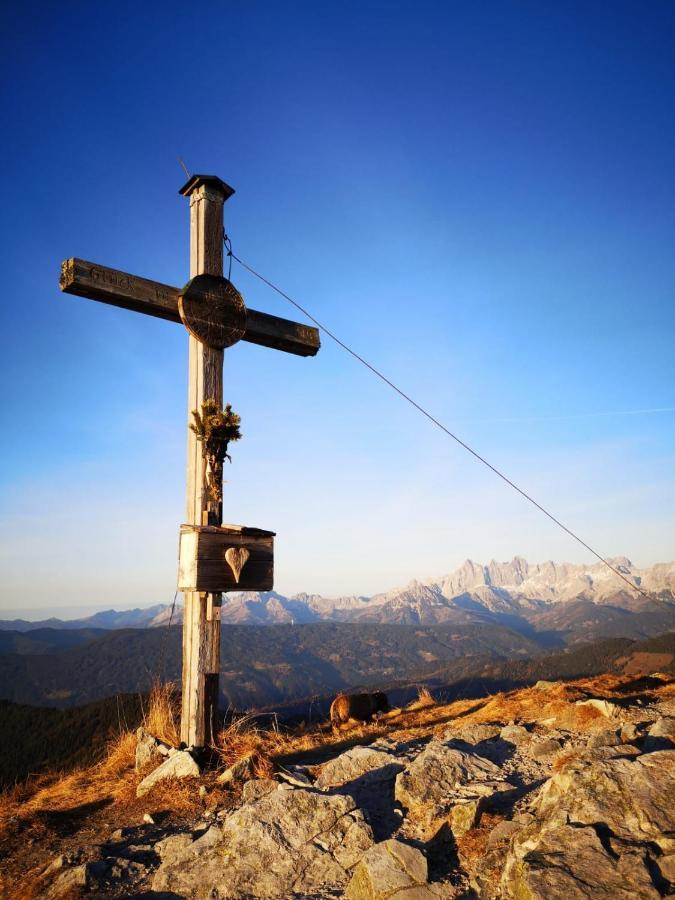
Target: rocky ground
point(561, 790)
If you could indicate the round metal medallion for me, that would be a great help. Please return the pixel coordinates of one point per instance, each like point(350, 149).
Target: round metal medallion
point(213, 311)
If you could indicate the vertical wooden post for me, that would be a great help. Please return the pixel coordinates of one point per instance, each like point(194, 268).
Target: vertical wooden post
point(201, 623)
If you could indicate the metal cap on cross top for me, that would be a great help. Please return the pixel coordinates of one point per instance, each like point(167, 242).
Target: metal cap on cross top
point(196, 181)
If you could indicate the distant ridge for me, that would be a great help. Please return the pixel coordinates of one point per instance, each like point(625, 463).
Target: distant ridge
point(505, 592)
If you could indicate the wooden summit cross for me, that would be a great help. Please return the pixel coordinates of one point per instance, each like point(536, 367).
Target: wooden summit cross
point(213, 558)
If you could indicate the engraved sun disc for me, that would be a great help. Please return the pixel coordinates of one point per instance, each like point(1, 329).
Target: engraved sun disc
point(213, 311)
point(237, 557)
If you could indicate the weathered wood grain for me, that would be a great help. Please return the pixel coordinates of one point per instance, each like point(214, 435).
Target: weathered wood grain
point(201, 631)
point(203, 564)
point(95, 282)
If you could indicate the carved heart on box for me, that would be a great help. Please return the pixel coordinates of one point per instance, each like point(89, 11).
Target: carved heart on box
point(237, 557)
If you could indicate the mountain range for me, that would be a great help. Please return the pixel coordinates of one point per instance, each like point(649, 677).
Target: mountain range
point(579, 602)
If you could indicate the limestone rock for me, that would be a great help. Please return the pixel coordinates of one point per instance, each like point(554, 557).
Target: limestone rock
point(543, 751)
point(663, 727)
point(173, 845)
point(367, 775)
point(629, 796)
point(515, 734)
point(70, 883)
point(599, 828)
point(148, 749)
point(661, 735)
point(354, 763)
point(472, 733)
point(435, 775)
point(629, 732)
point(465, 815)
point(571, 862)
point(607, 738)
point(242, 770)
point(288, 841)
point(179, 765)
point(390, 869)
point(258, 787)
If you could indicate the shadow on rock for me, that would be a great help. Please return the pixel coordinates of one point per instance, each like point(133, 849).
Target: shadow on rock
point(373, 792)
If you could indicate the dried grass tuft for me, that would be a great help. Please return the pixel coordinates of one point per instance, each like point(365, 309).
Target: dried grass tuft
point(162, 718)
point(424, 699)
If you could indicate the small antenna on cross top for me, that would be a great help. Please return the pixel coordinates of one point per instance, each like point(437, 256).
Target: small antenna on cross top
point(185, 168)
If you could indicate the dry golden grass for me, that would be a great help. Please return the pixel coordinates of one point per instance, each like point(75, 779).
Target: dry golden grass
point(162, 718)
point(472, 844)
point(114, 780)
point(111, 779)
point(424, 699)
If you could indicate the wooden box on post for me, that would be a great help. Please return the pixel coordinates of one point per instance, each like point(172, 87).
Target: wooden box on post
point(214, 559)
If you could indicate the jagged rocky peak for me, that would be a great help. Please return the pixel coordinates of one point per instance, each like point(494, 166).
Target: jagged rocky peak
point(510, 573)
point(468, 576)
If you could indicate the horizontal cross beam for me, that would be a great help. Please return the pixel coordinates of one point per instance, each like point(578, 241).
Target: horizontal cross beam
point(87, 279)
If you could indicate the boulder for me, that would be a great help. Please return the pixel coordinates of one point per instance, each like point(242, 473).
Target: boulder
point(515, 734)
point(602, 828)
point(179, 765)
point(572, 862)
point(356, 762)
point(629, 796)
point(663, 727)
point(606, 738)
point(390, 869)
point(367, 775)
point(435, 776)
point(290, 841)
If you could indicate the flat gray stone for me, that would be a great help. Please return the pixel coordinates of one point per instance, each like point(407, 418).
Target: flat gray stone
point(356, 762)
point(179, 765)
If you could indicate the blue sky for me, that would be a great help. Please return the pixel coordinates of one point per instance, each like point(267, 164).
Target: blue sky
point(477, 196)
